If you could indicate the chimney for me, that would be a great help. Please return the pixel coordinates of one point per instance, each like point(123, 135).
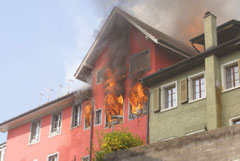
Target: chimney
point(210, 30)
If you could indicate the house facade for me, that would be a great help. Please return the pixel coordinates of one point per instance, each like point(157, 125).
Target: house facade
point(125, 50)
point(200, 93)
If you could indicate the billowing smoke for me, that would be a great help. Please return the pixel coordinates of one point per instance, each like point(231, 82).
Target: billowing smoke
point(181, 19)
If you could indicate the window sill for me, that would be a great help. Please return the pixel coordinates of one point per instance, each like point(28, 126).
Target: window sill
point(230, 89)
point(54, 134)
point(87, 128)
point(168, 109)
point(192, 101)
point(96, 125)
point(33, 142)
point(74, 127)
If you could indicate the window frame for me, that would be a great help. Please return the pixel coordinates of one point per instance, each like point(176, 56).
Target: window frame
point(133, 58)
point(190, 87)
point(95, 113)
point(98, 71)
point(55, 132)
point(2, 150)
point(232, 119)
point(79, 115)
point(163, 89)
point(31, 141)
point(51, 155)
point(223, 74)
point(105, 117)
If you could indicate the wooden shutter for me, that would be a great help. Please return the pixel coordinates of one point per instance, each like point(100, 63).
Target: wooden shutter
point(156, 100)
point(184, 90)
point(239, 67)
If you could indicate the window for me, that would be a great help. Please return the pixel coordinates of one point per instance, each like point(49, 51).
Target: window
point(169, 96)
point(35, 132)
point(53, 157)
point(139, 62)
point(56, 123)
point(234, 120)
point(197, 87)
point(2, 151)
point(98, 117)
point(76, 115)
point(99, 76)
point(230, 75)
point(85, 158)
point(138, 113)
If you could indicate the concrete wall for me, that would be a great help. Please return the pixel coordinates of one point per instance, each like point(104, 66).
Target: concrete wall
point(184, 119)
point(222, 144)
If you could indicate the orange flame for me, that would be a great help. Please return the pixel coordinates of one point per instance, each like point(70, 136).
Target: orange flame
point(113, 100)
point(87, 112)
point(137, 97)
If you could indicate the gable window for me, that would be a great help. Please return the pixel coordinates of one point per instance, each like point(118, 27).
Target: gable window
point(197, 87)
point(85, 158)
point(76, 115)
point(53, 157)
point(35, 132)
point(56, 123)
point(139, 62)
point(169, 96)
point(230, 75)
point(98, 117)
point(99, 76)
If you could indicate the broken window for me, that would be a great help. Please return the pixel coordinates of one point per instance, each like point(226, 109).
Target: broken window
point(76, 115)
point(139, 62)
point(87, 105)
point(137, 98)
point(35, 132)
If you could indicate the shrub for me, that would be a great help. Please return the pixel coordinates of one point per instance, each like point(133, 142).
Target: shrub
point(116, 140)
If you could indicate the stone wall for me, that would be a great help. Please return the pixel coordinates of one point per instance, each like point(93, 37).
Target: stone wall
point(216, 145)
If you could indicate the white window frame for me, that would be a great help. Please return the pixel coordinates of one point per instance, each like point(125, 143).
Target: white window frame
point(190, 89)
point(2, 149)
point(223, 74)
point(100, 109)
point(59, 131)
point(232, 119)
point(163, 88)
point(50, 155)
point(85, 157)
point(79, 116)
point(98, 71)
point(38, 135)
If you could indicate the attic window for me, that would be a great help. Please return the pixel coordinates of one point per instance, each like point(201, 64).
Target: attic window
point(139, 62)
point(99, 76)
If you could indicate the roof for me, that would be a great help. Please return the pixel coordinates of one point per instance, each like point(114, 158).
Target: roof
point(225, 32)
point(45, 109)
point(155, 35)
point(163, 74)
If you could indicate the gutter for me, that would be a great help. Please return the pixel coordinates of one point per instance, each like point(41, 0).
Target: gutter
point(148, 116)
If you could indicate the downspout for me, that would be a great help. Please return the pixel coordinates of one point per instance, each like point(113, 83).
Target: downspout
point(148, 103)
point(91, 134)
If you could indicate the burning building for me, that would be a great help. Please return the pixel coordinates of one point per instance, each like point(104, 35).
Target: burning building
point(125, 50)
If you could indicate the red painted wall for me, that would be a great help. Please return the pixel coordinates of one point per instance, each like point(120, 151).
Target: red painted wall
point(76, 141)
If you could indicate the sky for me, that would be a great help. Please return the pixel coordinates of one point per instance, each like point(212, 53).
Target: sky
point(43, 42)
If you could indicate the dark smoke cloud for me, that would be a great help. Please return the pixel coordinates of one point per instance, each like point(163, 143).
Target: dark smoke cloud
point(181, 19)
